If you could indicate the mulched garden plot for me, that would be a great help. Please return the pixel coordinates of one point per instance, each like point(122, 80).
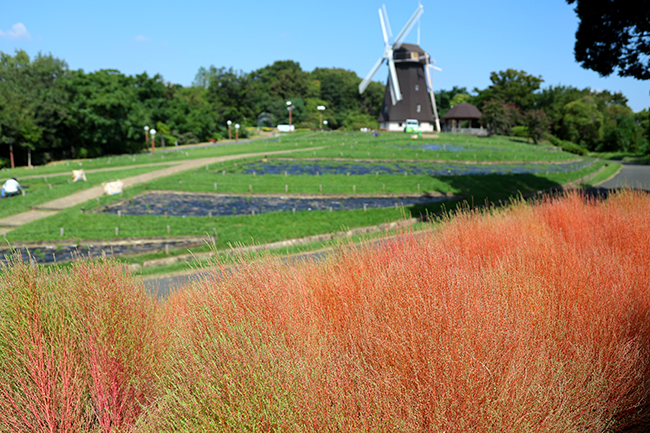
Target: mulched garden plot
point(201, 205)
point(48, 254)
point(431, 169)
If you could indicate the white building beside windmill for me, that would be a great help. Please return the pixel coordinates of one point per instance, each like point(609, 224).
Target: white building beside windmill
point(409, 88)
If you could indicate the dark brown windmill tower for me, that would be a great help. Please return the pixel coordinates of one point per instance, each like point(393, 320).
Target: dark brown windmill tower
point(409, 89)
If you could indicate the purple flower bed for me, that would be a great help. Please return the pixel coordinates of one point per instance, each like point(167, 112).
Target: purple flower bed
point(431, 169)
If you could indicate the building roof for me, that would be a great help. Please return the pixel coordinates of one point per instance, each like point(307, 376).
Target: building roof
point(463, 111)
point(410, 53)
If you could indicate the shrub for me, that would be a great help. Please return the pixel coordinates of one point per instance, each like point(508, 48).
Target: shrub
point(519, 131)
point(79, 351)
point(567, 146)
point(530, 319)
point(537, 124)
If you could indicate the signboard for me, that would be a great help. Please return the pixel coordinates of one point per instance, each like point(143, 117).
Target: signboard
point(286, 128)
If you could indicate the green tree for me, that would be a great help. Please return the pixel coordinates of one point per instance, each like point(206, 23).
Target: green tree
point(626, 136)
point(614, 36)
point(32, 104)
point(460, 98)
point(511, 86)
point(108, 111)
point(232, 96)
point(642, 118)
point(339, 88)
point(583, 122)
point(355, 121)
point(552, 100)
point(281, 80)
point(537, 123)
point(495, 116)
point(444, 98)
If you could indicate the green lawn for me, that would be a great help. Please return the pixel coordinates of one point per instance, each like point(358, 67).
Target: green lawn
point(37, 189)
point(264, 228)
point(169, 154)
point(623, 156)
point(352, 145)
point(283, 225)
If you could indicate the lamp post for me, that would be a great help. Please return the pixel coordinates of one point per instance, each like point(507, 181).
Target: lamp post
point(325, 123)
point(146, 135)
point(229, 133)
point(290, 108)
point(237, 133)
point(153, 140)
point(11, 151)
point(321, 108)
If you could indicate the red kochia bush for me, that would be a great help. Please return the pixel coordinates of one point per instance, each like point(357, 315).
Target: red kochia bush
point(78, 350)
point(534, 318)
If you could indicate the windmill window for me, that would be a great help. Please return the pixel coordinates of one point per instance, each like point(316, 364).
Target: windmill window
point(418, 108)
point(417, 87)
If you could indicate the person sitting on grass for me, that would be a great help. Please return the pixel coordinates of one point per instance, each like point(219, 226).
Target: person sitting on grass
point(11, 188)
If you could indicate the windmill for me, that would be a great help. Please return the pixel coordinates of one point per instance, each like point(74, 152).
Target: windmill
point(409, 88)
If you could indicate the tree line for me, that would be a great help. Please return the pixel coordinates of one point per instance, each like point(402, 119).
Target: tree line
point(53, 112)
point(582, 119)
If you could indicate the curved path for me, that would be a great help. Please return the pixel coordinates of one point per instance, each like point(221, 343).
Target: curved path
point(630, 175)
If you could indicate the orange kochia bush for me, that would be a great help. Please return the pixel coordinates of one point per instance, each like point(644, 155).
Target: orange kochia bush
point(530, 318)
point(535, 317)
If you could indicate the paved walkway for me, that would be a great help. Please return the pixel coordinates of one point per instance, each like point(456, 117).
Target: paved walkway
point(633, 176)
point(52, 207)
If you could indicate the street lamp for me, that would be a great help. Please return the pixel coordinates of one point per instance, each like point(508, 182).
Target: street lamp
point(153, 140)
point(290, 108)
point(237, 133)
point(229, 133)
point(321, 108)
point(11, 151)
point(325, 123)
point(146, 135)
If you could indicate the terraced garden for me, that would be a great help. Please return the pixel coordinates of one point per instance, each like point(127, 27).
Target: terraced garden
point(329, 182)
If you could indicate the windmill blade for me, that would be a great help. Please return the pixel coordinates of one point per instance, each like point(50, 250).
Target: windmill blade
point(432, 64)
point(407, 28)
point(366, 81)
point(432, 94)
point(393, 97)
point(383, 28)
point(394, 82)
point(390, 31)
point(419, 4)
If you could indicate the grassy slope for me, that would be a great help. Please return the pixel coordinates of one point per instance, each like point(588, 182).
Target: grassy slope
point(278, 226)
point(38, 190)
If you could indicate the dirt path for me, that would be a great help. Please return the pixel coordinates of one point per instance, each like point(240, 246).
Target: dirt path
point(98, 170)
point(50, 208)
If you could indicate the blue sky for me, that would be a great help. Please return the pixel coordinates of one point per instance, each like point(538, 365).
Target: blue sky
point(467, 38)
